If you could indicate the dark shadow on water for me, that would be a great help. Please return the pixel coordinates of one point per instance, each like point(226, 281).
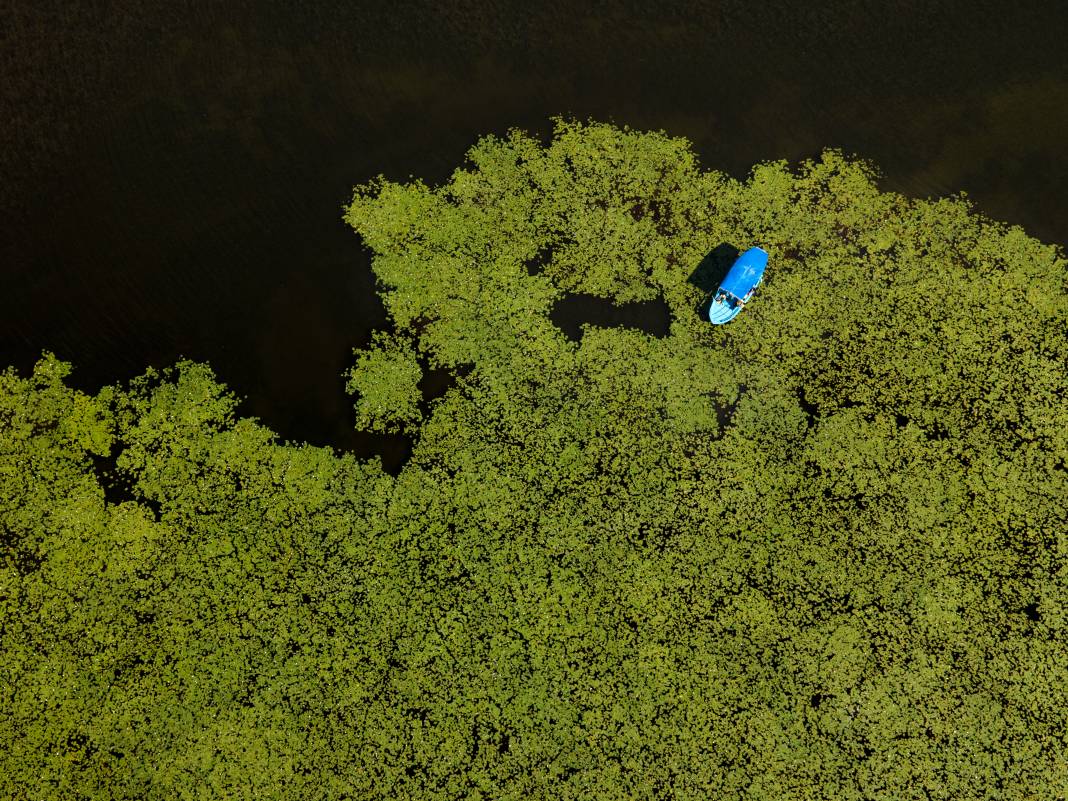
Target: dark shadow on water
point(536, 265)
point(811, 410)
point(710, 272)
point(725, 412)
point(396, 449)
point(435, 383)
point(651, 316)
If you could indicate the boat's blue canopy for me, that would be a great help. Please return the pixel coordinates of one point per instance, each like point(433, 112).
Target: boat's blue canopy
point(744, 276)
point(746, 273)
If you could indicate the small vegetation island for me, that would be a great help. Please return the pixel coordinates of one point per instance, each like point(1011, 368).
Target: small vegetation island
point(820, 552)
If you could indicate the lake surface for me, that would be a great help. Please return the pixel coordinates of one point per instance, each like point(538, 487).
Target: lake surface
point(173, 174)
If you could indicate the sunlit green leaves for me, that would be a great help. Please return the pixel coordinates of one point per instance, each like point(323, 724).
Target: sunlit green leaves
point(386, 379)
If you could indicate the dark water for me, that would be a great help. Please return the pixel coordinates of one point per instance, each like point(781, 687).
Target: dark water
point(173, 174)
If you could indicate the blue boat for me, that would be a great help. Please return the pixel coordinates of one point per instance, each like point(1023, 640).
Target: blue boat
point(737, 288)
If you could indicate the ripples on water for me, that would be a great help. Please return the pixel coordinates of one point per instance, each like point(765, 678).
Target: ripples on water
point(173, 177)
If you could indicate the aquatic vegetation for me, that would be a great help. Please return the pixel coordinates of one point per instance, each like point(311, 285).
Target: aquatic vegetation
point(817, 553)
